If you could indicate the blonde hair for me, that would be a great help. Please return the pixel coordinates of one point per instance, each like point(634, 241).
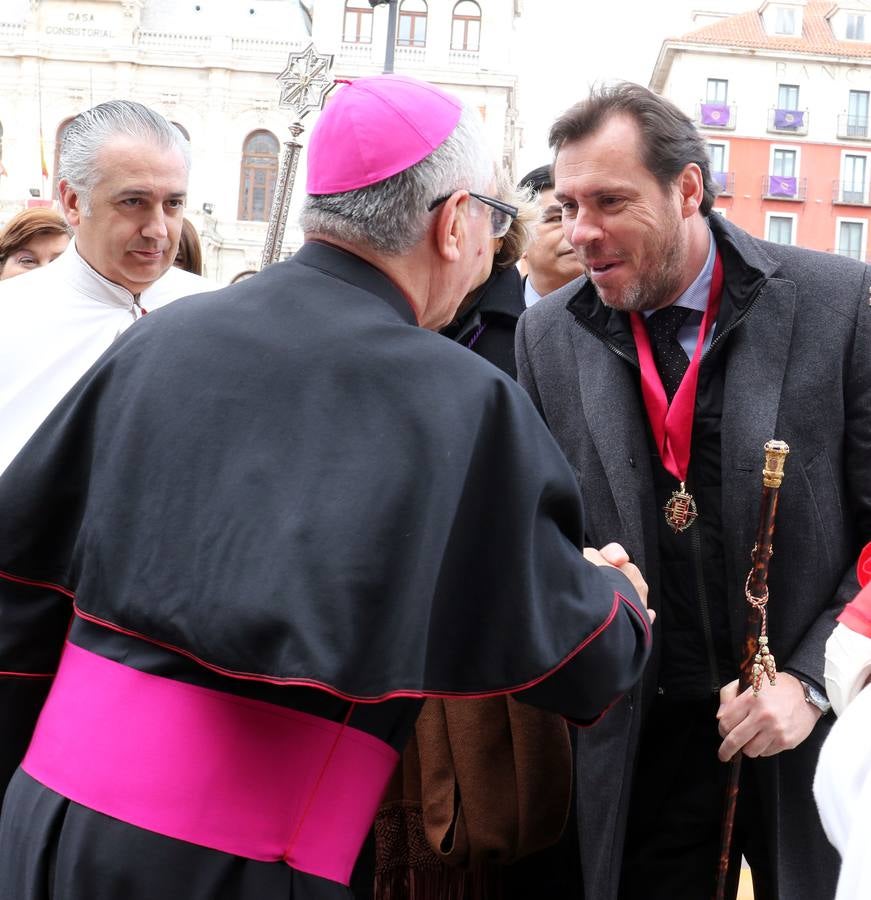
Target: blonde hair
point(519, 232)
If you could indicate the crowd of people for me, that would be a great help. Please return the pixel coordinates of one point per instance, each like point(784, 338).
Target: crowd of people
point(389, 572)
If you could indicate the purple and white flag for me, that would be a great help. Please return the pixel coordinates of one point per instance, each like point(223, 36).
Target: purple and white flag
point(782, 186)
point(791, 119)
point(715, 114)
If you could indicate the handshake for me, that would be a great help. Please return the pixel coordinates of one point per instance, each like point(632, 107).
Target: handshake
point(614, 555)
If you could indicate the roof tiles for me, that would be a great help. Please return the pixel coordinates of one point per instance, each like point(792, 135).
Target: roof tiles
point(746, 30)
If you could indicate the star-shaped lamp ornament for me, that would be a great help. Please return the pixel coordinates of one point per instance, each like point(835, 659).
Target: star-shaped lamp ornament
point(305, 81)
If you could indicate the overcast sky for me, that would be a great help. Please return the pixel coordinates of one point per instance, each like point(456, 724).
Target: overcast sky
point(574, 43)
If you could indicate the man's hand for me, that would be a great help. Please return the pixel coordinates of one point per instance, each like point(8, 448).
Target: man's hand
point(614, 555)
point(778, 719)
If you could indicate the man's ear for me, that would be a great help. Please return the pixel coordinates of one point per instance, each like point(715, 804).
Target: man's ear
point(451, 224)
point(71, 203)
point(691, 186)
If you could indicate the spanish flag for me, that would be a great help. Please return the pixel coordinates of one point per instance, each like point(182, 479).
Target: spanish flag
point(42, 155)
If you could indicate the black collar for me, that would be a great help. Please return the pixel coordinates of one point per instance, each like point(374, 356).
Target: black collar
point(354, 270)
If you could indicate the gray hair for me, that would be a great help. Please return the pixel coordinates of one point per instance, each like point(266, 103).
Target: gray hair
point(90, 131)
point(391, 216)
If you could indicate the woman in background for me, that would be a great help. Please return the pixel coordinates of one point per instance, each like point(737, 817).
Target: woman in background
point(190, 254)
point(31, 239)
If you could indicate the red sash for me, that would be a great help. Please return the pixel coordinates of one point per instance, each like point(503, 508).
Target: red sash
point(672, 425)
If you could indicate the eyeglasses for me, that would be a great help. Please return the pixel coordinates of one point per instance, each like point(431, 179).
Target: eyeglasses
point(501, 214)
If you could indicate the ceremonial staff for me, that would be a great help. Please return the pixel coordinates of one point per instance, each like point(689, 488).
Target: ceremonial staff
point(305, 83)
point(757, 660)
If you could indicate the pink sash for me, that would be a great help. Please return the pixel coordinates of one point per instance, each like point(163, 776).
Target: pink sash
point(198, 765)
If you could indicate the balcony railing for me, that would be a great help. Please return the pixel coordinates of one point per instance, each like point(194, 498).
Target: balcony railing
point(354, 53)
point(850, 193)
point(721, 116)
point(782, 187)
point(857, 128)
point(414, 55)
point(852, 252)
point(465, 58)
point(12, 30)
point(726, 180)
point(262, 46)
point(175, 41)
point(788, 121)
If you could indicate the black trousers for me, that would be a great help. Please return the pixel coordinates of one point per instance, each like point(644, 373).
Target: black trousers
point(673, 837)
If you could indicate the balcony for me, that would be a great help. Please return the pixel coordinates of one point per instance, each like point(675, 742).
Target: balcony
point(852, 252)
point(465, 59)
point(726, 181)
point(413, 55)
point(787, 121)
point(353, 53)
point(848, 193)
point(782, 187)
point(172, 41)
point(720, 116)
point(264, 46)
point(857, 128)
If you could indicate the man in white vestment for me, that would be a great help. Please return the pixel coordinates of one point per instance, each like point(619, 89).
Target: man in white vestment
point(842, 786)
point(123, 183)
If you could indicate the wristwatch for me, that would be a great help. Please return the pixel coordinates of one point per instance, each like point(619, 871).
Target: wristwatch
point(814, 696)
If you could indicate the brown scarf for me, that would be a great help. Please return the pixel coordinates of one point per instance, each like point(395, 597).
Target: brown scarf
point(483, 783)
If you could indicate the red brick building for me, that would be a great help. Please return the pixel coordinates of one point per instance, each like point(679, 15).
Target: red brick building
point(781, 93)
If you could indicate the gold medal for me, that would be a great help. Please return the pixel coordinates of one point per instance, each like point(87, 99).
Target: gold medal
point(680, 511)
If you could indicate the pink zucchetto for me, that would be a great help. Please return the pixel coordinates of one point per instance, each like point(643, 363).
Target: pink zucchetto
point(375, 127)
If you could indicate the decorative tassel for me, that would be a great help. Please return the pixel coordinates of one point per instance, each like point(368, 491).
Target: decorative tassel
point(407, 868)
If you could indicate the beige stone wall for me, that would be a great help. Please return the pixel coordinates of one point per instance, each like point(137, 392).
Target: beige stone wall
point(213, 71)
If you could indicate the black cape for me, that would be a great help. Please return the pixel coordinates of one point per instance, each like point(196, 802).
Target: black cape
point(290, 484)
point(288, 480)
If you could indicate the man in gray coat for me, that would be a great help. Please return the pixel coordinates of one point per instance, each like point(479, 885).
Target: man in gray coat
point(662, 373)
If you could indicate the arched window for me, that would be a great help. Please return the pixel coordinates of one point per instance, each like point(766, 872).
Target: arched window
point(358, 22)
point(259, 171)
point(466, 26)
point(58, 139)
point(183, 130)
point(412, 24)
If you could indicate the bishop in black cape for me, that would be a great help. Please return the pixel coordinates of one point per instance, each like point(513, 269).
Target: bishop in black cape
point(288, 493)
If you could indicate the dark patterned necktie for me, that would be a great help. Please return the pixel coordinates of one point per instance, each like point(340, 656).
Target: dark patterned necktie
point(671, 359)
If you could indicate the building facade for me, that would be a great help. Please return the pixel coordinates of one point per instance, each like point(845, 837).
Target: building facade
point(781, 94)
point(210, 67)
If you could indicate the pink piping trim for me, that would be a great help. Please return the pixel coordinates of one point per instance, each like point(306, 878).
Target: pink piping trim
point(311, 682)
point(33, 583)
point(583, 726)
point(287, 856)
point(642, 614)
point(645, 619)
point(26, 674)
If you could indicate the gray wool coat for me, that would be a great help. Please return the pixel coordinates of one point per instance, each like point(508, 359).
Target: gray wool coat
point(797, 368)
